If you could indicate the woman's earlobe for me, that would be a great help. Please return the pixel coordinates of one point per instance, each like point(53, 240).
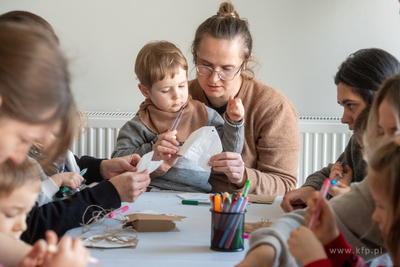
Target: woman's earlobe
point(248, 62)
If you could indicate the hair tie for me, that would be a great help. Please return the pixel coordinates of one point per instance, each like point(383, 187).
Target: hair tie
point(233, 15)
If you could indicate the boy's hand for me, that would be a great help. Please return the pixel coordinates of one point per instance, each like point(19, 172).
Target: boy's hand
point(235, 109)
point(71, 179)
point(166, 146)
point(304, 246)
point(325, 229)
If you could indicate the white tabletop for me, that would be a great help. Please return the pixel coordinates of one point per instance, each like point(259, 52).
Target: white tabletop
point(188, 247)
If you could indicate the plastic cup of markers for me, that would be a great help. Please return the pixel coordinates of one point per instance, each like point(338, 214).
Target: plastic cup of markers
point(227, 231)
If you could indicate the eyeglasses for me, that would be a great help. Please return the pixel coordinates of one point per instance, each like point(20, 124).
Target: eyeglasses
point(226, 75)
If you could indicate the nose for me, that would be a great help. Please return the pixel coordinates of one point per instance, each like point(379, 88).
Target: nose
point(375, 216)
point(347, 120)
point(19, 155)
point(20, 224)
point(176, 94)
point(214, 77)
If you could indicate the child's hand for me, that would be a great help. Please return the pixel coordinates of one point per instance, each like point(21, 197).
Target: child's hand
point(166, 146)
point(345, 178)
point(305, 246)
point(235, 109)
point(338, 190)
point(325, 229)
point(71, 179)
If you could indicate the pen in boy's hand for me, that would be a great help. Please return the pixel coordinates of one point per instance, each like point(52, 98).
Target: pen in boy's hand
point(324, 191)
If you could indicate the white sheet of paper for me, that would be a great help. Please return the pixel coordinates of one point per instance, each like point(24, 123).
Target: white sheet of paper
point(147, 163)
point(201, 145)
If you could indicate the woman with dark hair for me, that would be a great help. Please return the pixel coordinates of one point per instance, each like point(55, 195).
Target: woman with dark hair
point(222, 52)
point(354, 209)
point(357, 80)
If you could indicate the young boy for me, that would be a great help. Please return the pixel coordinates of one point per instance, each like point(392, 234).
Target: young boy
point(161, 69)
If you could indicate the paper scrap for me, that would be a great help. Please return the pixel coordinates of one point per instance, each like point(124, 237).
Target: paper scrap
point(147, 163)
point(195, 196)
point(201, 145)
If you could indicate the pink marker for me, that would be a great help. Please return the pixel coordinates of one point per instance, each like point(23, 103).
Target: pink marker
point(315, 216)
point(118, 211)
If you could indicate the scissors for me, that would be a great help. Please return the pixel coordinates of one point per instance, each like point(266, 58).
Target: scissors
point(177, 120)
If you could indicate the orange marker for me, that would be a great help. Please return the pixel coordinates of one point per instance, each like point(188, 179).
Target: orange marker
point(217, 202)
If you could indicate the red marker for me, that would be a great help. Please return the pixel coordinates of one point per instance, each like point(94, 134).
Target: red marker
point(121, 210)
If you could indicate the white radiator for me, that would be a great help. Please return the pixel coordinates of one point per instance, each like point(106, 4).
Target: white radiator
point(323, 139)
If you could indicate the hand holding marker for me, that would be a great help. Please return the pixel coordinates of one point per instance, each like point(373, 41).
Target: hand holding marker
point(334, 181)
point(315, 216)
point(65, 189)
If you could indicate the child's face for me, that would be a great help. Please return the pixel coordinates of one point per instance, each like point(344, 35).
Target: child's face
point(170, 94)
point(14, 209)
point(387, 120)
point(382, 214)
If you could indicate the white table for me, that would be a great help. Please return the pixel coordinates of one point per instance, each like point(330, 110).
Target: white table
point(190, 246)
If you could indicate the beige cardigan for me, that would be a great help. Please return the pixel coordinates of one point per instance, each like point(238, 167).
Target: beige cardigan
point(272, 140)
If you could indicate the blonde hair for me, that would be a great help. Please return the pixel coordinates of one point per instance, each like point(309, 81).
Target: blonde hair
point(34, 80)
point(14, 176)
point(156, 60)
point(226, 25)
point(384, 163)
point(389, 90)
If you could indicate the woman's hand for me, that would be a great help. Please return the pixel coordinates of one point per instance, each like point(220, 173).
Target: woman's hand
point(166, 147)
point(232, 165)
point(130, 185)
point(116, 166)
point(304, 246)
point(295, 199)
point(325, 229)
point(71, 179)
point(235, 109)
point(261, 256)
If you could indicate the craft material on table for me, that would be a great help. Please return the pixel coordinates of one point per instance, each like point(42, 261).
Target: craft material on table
point(118, 211)
point(201, 145)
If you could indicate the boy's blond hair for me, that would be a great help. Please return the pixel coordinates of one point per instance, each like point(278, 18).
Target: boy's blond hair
point(13, 176)
point(156, 60)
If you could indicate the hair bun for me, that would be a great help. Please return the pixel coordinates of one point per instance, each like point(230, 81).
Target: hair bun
point(226, 9)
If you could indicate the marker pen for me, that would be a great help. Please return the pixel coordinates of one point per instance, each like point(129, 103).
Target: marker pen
point(195, 202)
point(118, 211)
point(315, 215)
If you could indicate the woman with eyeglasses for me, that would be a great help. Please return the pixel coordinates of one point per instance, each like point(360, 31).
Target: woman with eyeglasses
point(222, 51)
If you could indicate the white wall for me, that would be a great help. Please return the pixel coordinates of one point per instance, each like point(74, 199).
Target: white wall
point(299, 43)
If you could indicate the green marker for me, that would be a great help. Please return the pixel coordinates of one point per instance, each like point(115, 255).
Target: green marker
point(65, 189)
point(195, 202)
point(246, 188)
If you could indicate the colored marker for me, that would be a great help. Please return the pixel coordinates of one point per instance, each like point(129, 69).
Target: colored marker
point(246, 188)
point(235, 224)
point(337, 177)
point(315, 216)
point(118, 211)
point(194, 202)
point(230, 222)
point(66, 188)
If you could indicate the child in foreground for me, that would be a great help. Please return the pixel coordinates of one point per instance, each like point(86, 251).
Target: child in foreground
point(19, 187)
point(64, 172)
point(162, 72)
point(321, 246)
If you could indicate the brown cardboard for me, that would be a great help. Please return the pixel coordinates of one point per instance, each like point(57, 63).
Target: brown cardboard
point(262, 199)
point(153, 222)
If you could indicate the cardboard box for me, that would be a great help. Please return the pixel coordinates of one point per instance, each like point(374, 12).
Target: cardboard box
point(261, 199)
point(153, 222)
